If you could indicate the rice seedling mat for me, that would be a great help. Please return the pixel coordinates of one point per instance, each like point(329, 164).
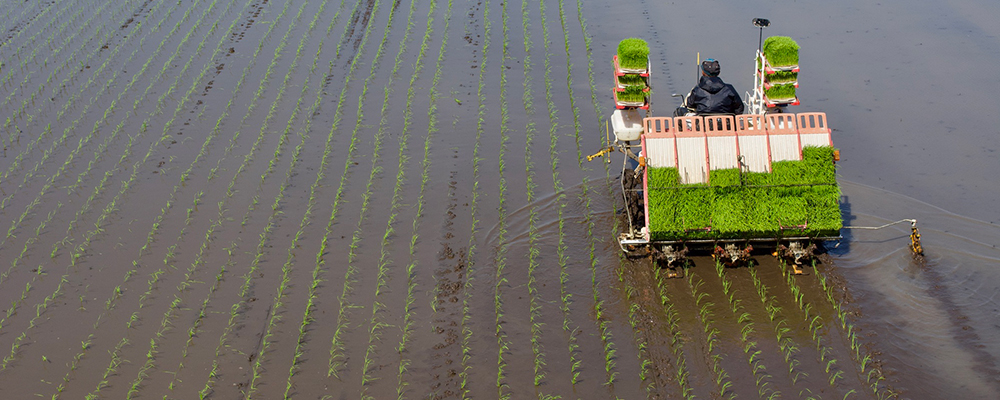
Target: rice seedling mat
point(797, 198)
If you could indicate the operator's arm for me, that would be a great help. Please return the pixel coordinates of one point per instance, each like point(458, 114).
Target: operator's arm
point(692, 100)
point(739, 104)
point(736, 101)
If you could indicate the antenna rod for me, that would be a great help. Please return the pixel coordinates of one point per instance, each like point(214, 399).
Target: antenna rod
point(761, 23)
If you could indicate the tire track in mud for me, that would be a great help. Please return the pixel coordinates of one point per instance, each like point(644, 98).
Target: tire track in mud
point(199, 107)
point(143, 8)
point(661, 349)
point(445, 355)
point(24, 23)
point(359, 18)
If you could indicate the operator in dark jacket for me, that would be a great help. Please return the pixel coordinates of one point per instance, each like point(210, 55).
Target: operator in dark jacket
point(712, 95)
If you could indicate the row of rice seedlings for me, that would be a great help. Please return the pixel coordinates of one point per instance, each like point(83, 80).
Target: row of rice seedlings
point(167, 260)
point(262, 132)
point(53, 33)
point(67, 60)
point(376, 326)
point(92, 80)
point(866, 362)
point(110, 370)
point(467, 287)
point(93, 134)
point(609, 349)
point(286, 269)
point(604, 324)
point(202, 313)
point(569, 84)
point(295, 158)
point(337, 357)
point(642, 353)
point(60, 32)
point(676, 337)
point(348, 31)
point(240, 307)
point(237, 308)
point(66, 132)
point(175, 305)
point(588, 46)
point(79, 251)
point(565, 296)
point(13, 306)
point(786, 344)
point(815, 323)
point(13, 20)
point(747, 331)
point(40, 308)
point(500, 258)
point(173, 310)
point(705, 315)
point(115, 357)
point(155, 275)
point(535, 301)
point(312, 196)
point(15, 163)
point(46, 27)
point(24, 252)
point(411, 284)
point(43, 21)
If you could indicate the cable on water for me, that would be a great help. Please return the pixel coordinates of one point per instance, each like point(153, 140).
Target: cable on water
point(915, 246)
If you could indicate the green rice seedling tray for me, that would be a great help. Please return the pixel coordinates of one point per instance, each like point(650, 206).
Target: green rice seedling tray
point(796, 199)
point(633, 54)
point(624, 81)
point(624, 100)
point(781, 52)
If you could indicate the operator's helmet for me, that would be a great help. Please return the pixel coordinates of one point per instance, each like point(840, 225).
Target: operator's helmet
point(710, 67)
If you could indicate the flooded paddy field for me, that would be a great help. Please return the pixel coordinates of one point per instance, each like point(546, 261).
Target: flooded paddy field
point(391, 199)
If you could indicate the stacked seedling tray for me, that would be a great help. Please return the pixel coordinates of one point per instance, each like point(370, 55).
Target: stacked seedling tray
point(780, 61)
point(632, 88)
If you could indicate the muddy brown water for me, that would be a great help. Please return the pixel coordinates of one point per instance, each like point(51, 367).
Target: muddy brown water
point(388, 199)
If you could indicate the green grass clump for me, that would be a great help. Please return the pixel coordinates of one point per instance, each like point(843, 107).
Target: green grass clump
point(632, 79)
point(725, 177)
point(633, 53)
point(633, 93)
point(761, 206)
point(781, 51)
point(779, 77)
point(778, 92)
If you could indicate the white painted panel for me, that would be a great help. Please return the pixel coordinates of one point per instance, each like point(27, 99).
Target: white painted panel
point(692, 166)
point(661, 152)
point(754, 152)
point(815, 139)
point(785, 147)
point(722, 152)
